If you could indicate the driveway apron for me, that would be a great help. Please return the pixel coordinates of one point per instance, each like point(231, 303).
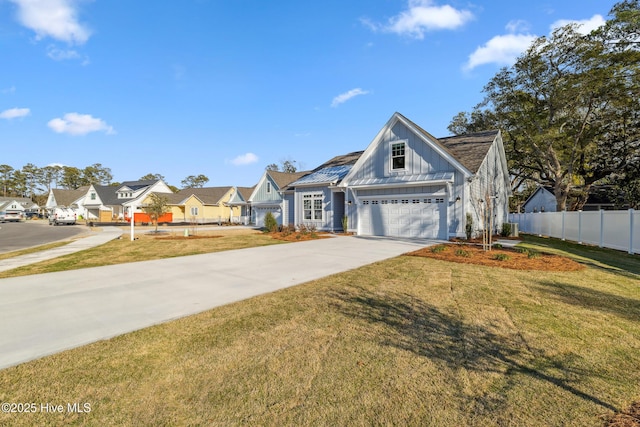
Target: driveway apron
point(48, 313)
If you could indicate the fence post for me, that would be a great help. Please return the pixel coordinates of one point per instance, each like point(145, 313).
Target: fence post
point(564, 211)
point(580, 227)
point(631, 231)
point(601, 227)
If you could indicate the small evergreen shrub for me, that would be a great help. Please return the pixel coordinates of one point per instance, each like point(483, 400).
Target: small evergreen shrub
point(531, 254)
point(438, 249)
point(345, 224)
point(497, 246)
point(468, 226)
point(270, 222)
point(506, 229)
point(501, 257)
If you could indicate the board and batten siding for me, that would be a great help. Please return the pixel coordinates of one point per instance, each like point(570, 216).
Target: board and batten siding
point(261, 194)
point(326, 222)
point(489, 181)
point(420, 158)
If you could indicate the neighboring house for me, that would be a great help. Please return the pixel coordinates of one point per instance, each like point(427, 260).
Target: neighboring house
point(319, 201)
point(407, 183)
point(269, 196)
point(18, 205)
point(204, 205)
point(542, 200)
point(240, 200)
point(106, 203)
point(67, 199)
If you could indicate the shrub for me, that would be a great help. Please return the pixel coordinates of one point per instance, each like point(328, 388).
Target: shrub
point(438, 249)
point(506, 229)
point(501, 257)
point(303, 229)
point(345, 223)
point(468, 226)
point(270, 222)
point(461, 252)
point(497, 246)
point(533, 254)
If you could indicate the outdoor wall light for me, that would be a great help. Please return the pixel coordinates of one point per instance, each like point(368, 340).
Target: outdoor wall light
point(458, 199)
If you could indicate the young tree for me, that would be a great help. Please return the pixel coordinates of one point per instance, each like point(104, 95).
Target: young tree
point(193, 181)
point(157, 205)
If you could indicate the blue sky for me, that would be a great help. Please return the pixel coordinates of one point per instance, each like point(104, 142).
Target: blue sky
point(225, 87)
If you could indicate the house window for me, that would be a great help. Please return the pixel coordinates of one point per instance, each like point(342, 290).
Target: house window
point(194, 211)
point(439, 200)
point(268, 187)
point(312, 206)
point(93, 196)
point(397, 156)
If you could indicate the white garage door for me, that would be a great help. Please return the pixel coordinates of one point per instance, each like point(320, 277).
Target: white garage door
point(261, 212)
point(415, 217)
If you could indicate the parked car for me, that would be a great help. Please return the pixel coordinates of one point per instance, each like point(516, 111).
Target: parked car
point(13, 216)
point(2, 215)
point(65, 216)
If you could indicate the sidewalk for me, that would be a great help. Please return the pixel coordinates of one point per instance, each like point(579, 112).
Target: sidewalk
point(105, 235)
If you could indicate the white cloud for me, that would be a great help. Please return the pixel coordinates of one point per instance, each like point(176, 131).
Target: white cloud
point(422, 16)
point(344, 97)
point(79, 124)
point(53, 18)
point(505, 49)
point(245, 159)
point(585, 26)
point(14, 113)
point(66, 54)
point(501, 50)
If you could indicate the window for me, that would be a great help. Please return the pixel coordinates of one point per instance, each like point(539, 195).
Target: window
point(397, 156)
point(93, 196)
point(439, 200)
point(365, 202)
point(268, 187)
point(312, 206)
point(194, 211)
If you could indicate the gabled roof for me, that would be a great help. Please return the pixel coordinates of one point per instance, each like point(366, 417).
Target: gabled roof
point(207, 195)
point(330, 172)
point(245, 192)
point(282, 179)
point(135, 185)
point(66, 197)
point(24, 201)
point(470, 149)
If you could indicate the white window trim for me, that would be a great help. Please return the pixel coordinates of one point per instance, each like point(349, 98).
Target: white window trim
point(268, 187)
point(312, 198)
point(391, 144)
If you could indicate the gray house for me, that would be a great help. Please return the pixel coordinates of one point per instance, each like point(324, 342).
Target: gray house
point(319, 201)
point(542, 200)
point(407, 183)
point(269, 196)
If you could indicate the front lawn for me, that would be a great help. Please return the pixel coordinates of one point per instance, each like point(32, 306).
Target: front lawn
point(407, 341)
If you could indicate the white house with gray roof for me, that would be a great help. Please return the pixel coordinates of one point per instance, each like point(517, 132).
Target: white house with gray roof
point(108, 202)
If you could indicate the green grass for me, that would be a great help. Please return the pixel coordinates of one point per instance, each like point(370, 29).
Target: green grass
point(145, 248)
point(407, 341)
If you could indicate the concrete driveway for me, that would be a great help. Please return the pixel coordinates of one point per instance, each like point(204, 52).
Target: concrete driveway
point(47, 313)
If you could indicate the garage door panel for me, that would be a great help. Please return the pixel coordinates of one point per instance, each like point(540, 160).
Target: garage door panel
point(392, 216)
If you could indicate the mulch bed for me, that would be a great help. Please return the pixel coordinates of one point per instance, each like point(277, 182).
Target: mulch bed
point(512, 259)
point(299, 237)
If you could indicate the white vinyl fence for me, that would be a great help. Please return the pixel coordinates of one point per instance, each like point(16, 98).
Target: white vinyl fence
point(610, 229)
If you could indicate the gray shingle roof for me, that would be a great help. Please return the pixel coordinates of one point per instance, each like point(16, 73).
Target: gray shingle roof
point(66, 197)
point(282, 179)
point(208, 195)
point(469, 149)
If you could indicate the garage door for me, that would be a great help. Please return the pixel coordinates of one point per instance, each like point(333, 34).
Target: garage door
point(415, 217)
point(261, 212)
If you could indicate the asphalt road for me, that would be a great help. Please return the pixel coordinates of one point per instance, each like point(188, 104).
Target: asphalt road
point(20, 235)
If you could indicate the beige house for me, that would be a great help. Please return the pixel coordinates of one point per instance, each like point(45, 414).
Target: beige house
point(204, 205)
